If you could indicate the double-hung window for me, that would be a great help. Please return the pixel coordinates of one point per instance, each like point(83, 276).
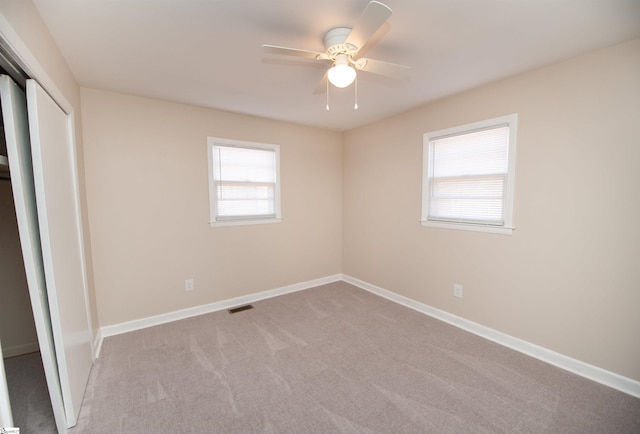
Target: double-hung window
point(468, 176)
point(244, 182)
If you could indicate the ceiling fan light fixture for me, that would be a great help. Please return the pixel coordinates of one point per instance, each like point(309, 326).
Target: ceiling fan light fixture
point(341, 73)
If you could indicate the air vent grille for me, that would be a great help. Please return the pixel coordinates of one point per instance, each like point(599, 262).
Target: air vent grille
point(240, 308)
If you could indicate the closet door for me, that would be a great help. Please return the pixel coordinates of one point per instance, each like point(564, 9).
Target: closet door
point(14, 113)
point(54, 171)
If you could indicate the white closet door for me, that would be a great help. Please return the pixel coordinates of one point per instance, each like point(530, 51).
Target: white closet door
point(54, 170)
point(14, 113)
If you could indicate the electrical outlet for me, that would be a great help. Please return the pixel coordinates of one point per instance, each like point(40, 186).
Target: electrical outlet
point(189, 285)
point(457, 290)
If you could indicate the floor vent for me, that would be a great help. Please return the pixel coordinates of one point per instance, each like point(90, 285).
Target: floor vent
point(240, 308)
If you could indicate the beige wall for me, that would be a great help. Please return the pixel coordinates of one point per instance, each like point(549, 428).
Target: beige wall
point(568, 279)
point(147, 175)
point(27, 23)
point(17, 329)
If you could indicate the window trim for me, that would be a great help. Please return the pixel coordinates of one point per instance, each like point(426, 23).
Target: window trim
point(507, 227)
point(218, 141)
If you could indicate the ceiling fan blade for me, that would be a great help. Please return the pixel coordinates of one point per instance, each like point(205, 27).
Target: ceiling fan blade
point(293, 51)
point(379, 67)
point(322, 86)
point(373, 17)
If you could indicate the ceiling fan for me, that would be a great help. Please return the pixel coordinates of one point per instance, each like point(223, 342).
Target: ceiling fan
point(343, 45)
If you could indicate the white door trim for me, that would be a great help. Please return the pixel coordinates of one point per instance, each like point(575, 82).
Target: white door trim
point(28, 62)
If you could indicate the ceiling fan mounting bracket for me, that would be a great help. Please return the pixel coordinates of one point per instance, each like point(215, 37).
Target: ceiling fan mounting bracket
point(336, 36)
point(347, 49)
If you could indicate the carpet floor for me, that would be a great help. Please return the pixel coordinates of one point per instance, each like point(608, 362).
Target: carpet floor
point(335, 359)
point(30, 402)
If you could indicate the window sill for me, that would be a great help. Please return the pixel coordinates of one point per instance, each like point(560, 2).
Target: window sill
point(244, 222)
point(468, 227)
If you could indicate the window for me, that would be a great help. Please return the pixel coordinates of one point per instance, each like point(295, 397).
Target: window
point(244, 182)
point(468, 176)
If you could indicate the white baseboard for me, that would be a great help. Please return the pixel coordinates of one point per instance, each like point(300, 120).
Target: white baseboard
point(611, 379)
point(18, 350)
point(138, 324)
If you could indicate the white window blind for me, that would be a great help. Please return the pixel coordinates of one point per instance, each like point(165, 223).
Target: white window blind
point(244, 182)
point(469, 175)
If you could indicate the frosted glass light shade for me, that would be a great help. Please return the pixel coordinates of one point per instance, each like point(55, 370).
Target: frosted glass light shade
point(341, 74)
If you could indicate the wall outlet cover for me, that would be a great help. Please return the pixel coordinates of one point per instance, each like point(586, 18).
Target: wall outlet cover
point(189, 285)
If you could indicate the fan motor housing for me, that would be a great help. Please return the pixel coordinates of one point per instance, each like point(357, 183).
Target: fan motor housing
point(334, 41)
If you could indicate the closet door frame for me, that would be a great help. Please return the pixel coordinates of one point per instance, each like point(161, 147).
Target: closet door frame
point(18, 53)
point(22, 56)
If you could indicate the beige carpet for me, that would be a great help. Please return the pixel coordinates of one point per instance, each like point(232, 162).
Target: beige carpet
point(335, 359)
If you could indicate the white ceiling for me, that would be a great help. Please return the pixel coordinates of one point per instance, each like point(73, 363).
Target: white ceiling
point(208, 52)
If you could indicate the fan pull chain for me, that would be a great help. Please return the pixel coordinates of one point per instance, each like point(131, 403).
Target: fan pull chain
point(327, 94)
point(355, 106)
